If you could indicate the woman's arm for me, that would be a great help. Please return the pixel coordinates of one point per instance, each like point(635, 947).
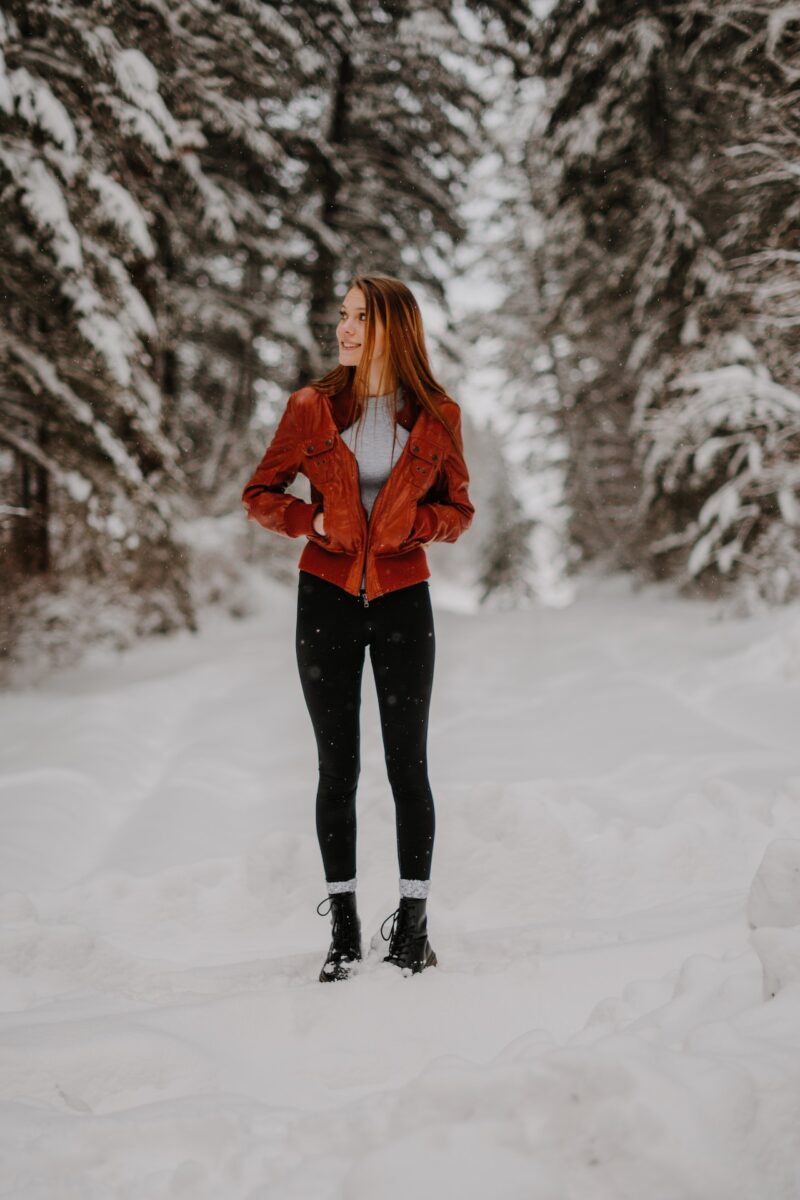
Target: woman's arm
point(263, 497)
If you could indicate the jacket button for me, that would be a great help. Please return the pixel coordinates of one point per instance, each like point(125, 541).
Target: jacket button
point(415, 446)
point(436, 458)
point(327, 441)
point(309, 447)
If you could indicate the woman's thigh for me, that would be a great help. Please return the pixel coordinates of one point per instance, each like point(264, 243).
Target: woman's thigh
point(330, 644)
point(402, 647)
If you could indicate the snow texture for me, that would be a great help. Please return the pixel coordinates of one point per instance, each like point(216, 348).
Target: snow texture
point(618, 799)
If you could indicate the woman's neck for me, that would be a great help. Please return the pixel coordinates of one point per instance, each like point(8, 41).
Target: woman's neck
point(383, 395)
point(379, 383)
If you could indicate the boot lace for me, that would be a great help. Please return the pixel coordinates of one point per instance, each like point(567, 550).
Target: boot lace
point(340, 929)
point(400, 936)
point(335, 919)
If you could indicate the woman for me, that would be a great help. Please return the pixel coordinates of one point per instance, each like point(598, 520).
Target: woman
point(380, 442)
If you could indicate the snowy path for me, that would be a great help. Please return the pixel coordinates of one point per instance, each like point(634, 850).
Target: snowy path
point(607, 778)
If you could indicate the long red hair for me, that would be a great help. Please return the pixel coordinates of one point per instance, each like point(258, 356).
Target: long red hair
point(404, 347)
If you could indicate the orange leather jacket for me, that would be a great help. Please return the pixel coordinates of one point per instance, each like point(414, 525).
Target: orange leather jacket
point(424, 499)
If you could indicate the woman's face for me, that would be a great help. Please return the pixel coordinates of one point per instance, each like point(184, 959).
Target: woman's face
point(350, 330)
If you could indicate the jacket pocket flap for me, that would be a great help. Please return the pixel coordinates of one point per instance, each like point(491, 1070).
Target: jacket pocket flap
point(318, 446)
point(428, 453)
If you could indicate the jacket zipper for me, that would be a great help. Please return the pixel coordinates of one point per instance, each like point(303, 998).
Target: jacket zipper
point(363, 591)
point(367, 523)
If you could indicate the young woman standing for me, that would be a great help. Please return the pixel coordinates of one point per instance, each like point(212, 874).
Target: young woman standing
point(380, 442)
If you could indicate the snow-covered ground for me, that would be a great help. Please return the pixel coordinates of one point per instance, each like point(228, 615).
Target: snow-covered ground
point(608, 777)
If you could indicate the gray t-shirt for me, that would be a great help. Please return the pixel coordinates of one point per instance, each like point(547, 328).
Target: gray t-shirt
point(375, 448)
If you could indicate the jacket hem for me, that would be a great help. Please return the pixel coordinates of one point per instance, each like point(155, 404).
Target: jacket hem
point(393, 571)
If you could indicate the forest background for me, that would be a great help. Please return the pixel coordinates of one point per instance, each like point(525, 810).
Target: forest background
point(596, 204)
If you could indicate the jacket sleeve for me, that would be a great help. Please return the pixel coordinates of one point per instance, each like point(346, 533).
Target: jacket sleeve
point(264, 496)
point(449, 512)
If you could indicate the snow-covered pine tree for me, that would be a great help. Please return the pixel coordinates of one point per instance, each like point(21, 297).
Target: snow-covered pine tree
point(148, 204)
point(595, 145)
point(719, 421)
point(87, 460)
point(655, 118)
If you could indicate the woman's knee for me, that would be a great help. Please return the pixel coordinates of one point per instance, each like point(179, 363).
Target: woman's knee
point(338, 781)
point(410, 784)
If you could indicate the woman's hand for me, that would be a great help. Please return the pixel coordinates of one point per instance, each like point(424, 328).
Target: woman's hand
point(319, 523)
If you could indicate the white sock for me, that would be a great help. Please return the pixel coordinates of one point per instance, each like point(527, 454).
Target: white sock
point(415, 889)
point(341, 885)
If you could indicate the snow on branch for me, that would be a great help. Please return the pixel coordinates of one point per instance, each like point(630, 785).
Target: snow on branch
point(78, 486)
point(146, 116)
point(732, 432)
point(37, 105)
point(117, 206)
point(40, 195)
point(44, 377)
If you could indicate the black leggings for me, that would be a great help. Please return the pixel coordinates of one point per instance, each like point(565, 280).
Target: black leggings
point(333, 630)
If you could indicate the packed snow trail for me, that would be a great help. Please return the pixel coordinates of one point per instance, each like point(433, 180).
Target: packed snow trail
point(607, 780)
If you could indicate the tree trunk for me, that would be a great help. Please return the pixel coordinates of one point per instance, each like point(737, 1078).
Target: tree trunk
point(322, 319)
point(30, 541)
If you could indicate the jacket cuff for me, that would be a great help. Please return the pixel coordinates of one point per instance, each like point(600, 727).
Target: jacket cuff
point(299, 518)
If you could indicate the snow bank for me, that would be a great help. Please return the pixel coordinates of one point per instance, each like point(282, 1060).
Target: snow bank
point(773, 909)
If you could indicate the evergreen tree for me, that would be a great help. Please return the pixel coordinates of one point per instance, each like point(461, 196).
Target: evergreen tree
point(655, 118)
point(120, 147)
point(80, 406)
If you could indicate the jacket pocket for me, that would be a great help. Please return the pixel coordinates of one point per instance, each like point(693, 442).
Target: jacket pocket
point(320, 539)
point(328, 540)
point(397, 545)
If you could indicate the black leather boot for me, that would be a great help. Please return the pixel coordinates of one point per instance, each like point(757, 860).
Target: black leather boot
point(345, 947)
point(409, 947)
